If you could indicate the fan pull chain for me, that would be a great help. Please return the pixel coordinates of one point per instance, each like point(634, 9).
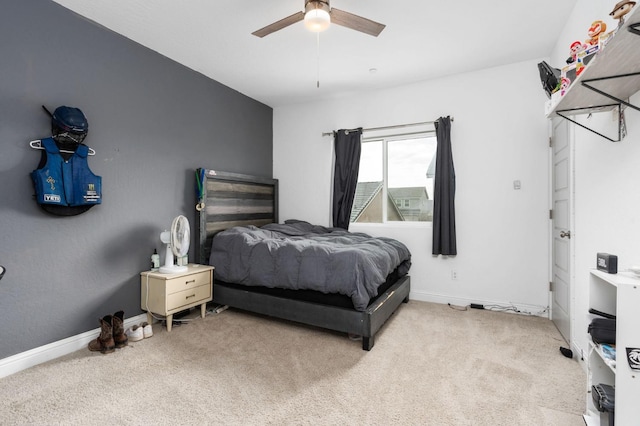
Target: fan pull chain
point(318, 70)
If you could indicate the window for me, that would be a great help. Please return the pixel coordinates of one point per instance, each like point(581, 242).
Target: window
point(395, 181)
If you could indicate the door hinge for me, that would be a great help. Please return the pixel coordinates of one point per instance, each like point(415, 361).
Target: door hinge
point(550, 142)
point(550, 214)
point(550, 285)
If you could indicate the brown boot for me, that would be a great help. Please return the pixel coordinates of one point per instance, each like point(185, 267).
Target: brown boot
point(119, 337)
point(104, 342)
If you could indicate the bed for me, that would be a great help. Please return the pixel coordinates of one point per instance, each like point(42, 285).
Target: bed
point(232, 203)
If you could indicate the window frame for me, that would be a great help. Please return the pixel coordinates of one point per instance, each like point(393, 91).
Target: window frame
point(386, 138)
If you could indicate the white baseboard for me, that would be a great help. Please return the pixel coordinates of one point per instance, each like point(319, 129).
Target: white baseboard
point(33, 357)
point(580, 356)
point(458, 301)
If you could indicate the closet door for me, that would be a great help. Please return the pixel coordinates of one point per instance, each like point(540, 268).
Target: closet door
point(562, 222)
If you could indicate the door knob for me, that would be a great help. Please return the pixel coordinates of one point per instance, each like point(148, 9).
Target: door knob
point(565, 234)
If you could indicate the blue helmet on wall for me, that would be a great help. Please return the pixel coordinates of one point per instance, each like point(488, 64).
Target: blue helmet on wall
point(69, 124)
point(70, 119)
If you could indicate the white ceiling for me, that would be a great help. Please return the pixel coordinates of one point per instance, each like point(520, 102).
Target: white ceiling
point(424, 39)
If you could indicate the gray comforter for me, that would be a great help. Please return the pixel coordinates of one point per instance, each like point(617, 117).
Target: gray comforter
point(298, 255)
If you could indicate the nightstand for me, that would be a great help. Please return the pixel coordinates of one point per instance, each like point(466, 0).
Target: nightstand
point(166, 294)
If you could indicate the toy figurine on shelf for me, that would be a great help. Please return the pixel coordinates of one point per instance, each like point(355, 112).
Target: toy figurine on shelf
point(579, 66)
point(621, 9)
point(564, 85)
point(597, 28)
point(576, 47)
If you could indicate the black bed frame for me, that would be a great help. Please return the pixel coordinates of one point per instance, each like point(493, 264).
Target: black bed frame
point(239, 200)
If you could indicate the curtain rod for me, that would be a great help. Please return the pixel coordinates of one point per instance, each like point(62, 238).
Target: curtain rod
point(398, 126)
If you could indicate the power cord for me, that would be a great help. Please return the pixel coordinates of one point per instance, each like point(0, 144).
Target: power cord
point(499, 308)
point(513, 308)
point(509, 308)
point(146, 299)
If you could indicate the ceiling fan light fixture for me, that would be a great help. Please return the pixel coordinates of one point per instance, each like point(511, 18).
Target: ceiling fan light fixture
point(316, 16)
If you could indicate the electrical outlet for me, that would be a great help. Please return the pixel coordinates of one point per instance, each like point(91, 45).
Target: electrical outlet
point(454, 274)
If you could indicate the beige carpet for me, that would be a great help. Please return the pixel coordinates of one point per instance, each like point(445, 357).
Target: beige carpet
point(431, 365)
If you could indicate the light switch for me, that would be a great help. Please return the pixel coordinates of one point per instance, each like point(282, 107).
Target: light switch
point(516, 184)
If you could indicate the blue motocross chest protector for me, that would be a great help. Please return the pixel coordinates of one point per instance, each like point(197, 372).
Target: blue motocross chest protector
point(66, 182)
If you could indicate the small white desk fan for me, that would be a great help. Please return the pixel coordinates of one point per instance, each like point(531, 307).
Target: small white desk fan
point(177, 241)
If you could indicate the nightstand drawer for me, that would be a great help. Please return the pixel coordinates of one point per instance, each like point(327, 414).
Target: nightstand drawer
point(188, 282)
point(188, 297)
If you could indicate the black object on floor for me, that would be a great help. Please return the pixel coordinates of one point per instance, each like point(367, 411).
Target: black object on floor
point(566, 352)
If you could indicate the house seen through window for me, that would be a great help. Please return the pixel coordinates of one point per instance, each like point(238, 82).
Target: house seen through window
point(395, 180)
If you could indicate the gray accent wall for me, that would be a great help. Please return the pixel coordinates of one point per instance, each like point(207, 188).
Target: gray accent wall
point(152, 122)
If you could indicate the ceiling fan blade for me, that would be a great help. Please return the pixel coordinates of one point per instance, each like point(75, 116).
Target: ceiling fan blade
point(355, 22)
point(272, 28)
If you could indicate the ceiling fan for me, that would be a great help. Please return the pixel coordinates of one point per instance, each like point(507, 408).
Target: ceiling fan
point(318, 14)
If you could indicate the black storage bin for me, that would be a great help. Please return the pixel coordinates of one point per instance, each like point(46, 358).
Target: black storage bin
point(604, 398)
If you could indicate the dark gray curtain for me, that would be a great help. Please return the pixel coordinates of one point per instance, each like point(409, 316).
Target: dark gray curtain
point(345, 176)
point(444, 212)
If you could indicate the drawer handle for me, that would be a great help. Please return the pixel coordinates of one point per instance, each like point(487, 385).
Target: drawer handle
point(191, 281)
point(193, 295)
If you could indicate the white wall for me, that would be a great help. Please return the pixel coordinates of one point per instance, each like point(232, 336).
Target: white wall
point(607, 197)
point(499, 135)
